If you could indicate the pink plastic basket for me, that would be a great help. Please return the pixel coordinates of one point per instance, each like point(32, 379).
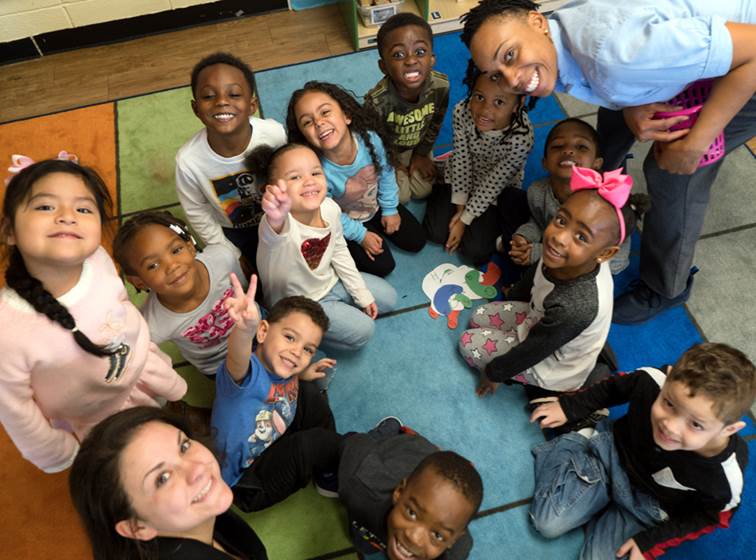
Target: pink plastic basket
point(692, 99)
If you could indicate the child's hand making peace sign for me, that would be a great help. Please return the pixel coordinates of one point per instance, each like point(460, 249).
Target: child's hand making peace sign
point(241, 306)
point(276, 203)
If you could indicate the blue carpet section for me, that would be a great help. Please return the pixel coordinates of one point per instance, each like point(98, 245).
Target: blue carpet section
point(411, 368)
point(357, 72)
point(509, 535)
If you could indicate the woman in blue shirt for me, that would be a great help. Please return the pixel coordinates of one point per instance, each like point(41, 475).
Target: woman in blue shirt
point(629, 59)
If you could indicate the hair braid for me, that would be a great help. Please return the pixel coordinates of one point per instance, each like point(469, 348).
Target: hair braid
point(477, 16)
point(32, 290)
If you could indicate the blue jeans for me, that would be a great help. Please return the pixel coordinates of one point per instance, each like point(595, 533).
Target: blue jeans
point(350, 327)
point(579, 481)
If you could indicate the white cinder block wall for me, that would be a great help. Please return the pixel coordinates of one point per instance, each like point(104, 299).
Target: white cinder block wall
point(24, 18)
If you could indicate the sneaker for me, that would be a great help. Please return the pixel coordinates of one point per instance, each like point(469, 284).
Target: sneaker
point(389, 426)
point(326, 484)
point(642, 303)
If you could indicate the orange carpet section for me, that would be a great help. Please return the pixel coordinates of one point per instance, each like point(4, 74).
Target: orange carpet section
point(38, 518)
point(89, 133)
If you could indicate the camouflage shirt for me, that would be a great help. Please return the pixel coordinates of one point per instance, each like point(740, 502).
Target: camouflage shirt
point(412, 126)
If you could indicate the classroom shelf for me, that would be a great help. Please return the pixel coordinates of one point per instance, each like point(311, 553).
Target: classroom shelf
point(442, 15)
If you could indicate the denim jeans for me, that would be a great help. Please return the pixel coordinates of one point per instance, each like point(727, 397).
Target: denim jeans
point(350, 327)
point(580, 481)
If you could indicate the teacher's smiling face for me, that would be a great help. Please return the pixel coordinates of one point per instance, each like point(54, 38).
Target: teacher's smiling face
point(518, 50)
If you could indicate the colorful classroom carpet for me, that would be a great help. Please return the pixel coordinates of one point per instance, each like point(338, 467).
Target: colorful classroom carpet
point(411, 369)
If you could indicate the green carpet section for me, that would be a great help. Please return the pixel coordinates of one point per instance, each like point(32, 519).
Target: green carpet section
point(151, 129)
point(305, 525)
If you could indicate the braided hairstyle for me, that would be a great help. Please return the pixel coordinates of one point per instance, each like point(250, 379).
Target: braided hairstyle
point(135, 224)
point(476, 17)
point(364, 119)
point(17, 276)
point(517, 126)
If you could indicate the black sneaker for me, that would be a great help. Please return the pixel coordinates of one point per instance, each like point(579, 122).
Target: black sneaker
point(326, 484)
point(642, 303)
point(389, 426)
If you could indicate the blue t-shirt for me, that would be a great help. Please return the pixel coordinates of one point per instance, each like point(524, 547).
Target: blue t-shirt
point(618, 54)
point(248, 417)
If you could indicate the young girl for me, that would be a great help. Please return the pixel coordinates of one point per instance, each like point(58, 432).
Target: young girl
point(572, 142)
point(360, 177)
point(303, 252)
point(188, 288)
point(144, 489)
point(74, 348)
point(550, 335)
point(492, 139)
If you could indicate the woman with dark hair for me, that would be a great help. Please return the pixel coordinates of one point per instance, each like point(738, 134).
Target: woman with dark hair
point(144, 489)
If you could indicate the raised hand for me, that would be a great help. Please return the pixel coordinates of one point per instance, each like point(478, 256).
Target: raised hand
point(241, 306)
point(276, 203)
point(317, 370)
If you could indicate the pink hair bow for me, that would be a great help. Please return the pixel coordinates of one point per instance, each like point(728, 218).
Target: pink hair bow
point(20, 162)
point(613, 186)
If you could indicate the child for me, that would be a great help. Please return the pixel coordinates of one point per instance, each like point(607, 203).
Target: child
point(217, 192)
point(670, 470)
point(360, 177)
point(187, 288)
point(572, 142)
point(124, 484)
point(272, 430)
point(551, 335)
point(630, 58)
point(492, 139)
point(303, 252)
point(411, 99)
point(74, 348)
point(406, 498)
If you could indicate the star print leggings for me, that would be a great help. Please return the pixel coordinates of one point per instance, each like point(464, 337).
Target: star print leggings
point(492, 332)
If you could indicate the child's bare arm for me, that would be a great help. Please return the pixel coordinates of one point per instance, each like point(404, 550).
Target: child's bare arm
point(276, 204)
point(246, 316)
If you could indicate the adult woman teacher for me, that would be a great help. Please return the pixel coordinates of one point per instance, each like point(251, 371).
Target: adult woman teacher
point(629, 58)
point(145, 489)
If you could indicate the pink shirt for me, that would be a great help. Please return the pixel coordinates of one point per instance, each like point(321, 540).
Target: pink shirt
point(51, 391)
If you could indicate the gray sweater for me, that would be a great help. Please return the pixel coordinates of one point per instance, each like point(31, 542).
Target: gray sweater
point(543, 206)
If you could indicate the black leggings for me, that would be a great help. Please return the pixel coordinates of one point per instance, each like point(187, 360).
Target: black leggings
point(309, 444)
point(410, 237)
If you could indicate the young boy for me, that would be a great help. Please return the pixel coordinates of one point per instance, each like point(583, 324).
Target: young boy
point(411, 99)
point(571, 142)
point(670, 470)
point(406, 498)
point(271, 430)
point(217, 192)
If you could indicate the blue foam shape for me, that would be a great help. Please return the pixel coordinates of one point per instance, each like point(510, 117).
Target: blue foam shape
point(411, 369)
point(509, 534)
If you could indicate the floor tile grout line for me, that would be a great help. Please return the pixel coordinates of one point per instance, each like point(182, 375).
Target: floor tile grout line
point(722, 232)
